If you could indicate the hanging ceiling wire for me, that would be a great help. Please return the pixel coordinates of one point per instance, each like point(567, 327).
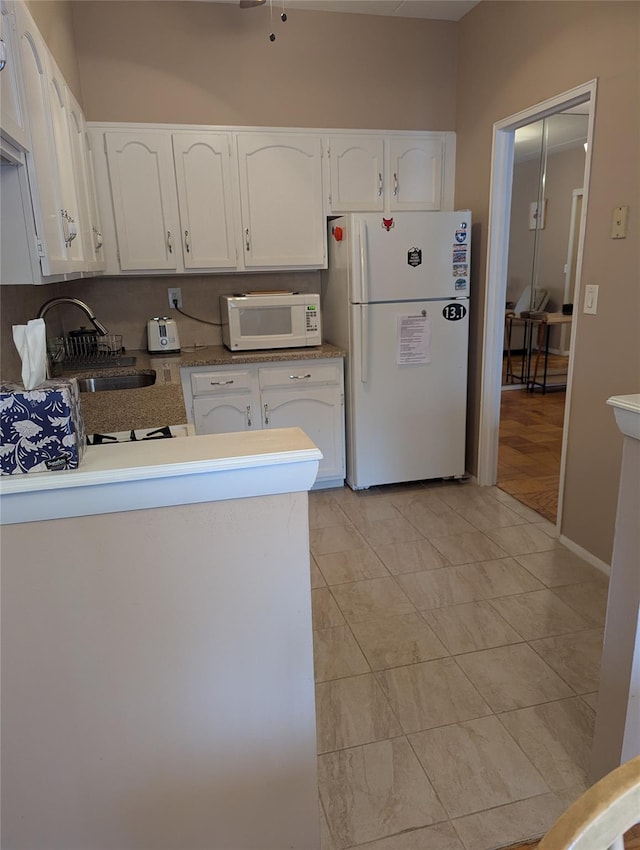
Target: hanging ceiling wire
point(251, 4)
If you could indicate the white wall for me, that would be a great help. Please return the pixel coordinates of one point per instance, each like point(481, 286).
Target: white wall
point(157, 679)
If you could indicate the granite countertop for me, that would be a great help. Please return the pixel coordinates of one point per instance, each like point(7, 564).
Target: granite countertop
point(163, 403)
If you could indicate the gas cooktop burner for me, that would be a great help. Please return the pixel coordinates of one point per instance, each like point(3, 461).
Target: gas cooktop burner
point(164, 433)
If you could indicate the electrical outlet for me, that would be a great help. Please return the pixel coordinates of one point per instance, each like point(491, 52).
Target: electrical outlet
point(175, 294)
point(619, 223)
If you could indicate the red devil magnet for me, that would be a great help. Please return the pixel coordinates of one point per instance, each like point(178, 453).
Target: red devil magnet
point(388, 223)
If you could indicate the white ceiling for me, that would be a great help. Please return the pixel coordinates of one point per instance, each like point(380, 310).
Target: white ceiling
point(442, 10)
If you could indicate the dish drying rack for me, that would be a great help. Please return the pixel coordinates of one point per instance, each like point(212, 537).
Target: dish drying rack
point(82, 350)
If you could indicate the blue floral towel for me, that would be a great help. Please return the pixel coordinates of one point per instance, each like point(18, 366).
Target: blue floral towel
point(41, 430)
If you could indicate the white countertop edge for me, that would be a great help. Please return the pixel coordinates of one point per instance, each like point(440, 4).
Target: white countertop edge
point(627, 412)
point(159, 459)
point(626, 402)
point(26, 484)
point(212, 485)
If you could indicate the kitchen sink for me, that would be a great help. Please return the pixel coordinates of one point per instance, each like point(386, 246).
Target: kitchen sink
point(100, 383)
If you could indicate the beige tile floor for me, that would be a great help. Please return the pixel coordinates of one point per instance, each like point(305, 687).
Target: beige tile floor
point(457, 647)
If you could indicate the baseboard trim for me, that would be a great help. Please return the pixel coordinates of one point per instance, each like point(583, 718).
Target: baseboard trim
point(585, 555)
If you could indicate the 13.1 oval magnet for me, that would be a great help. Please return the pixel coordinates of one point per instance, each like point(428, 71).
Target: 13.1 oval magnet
point(454, 312)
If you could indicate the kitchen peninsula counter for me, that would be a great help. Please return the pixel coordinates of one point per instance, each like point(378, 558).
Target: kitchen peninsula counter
point(163, 403)
point(158, 598)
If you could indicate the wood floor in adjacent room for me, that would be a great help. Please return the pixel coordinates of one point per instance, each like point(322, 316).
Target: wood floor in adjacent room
point(530, 448)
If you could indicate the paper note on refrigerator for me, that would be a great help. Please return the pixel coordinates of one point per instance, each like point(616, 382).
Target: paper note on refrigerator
point(413, 340)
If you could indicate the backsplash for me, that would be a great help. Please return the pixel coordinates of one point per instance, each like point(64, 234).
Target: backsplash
point(124, 306)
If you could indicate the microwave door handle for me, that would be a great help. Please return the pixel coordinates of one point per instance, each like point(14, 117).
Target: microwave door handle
point(364, 343)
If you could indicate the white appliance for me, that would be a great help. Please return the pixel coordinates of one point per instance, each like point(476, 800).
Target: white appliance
point(162, 336)
point(396, 296)
point(262, 320)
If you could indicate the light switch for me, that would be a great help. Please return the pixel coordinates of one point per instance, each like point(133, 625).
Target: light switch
point(619, 223)
point(591, 299)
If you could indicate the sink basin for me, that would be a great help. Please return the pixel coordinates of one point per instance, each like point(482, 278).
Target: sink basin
point(100, 383)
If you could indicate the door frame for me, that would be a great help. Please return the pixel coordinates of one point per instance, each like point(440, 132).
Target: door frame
point(572, 253)
point(496, 274)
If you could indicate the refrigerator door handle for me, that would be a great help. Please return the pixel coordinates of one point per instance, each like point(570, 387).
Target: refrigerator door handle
point(364, 268)
point(364, 343)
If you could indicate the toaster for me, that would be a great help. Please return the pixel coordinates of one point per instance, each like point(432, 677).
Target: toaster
point(162, 336)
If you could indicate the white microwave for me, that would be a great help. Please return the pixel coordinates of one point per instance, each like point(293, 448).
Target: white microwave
point(270, 320)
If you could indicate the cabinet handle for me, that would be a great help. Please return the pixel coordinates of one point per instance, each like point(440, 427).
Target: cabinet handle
point(379, 184)
point(395, 184)
point(65, 227)
point(73, 230)
point(220, 383)
point(246, 239)
point(97, 239)
point(69, 229)
point(169, 242)
point(187, 243)
point(266, 414)
point(299, 377)
point(248, 416)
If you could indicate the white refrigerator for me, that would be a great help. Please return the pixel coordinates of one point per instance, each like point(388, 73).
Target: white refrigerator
point(396, 297)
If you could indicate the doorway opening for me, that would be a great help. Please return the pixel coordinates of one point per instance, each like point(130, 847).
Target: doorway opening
point(549, 161)
point(541, 338)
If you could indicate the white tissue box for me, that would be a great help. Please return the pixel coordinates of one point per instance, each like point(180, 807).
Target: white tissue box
point(41, 430)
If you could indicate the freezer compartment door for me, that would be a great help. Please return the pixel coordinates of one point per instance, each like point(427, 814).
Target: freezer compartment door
point(407, 421)
point(410, 256)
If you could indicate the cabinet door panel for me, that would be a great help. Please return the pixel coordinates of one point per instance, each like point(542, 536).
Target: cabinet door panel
point(281, 200)
point(223, 414)
point(13, 119)
point(319, 414)
point(42, 167)
point(69, 194)
point(356, 165)
point(203, 176)
point(416, 174)
point(141, 173)
point(90, 231)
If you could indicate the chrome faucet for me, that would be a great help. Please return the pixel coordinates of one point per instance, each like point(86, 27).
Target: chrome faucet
point(84, 307)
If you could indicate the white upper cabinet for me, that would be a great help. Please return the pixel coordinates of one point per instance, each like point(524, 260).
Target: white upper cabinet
point(356, 173)
point(281, 200)
point(416, 166)
point(41, 163)
point(66, 169)
point(374, 173)
point(144, 200)
point(90, 229)
point(57, 234)
point(179, 199)
point(203, 178)
point(172, 204)
point(13, 125)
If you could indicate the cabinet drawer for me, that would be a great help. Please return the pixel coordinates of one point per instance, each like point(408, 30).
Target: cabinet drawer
point(220, 382)
point(301, 373)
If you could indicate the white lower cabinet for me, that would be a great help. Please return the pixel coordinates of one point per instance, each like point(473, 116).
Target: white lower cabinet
point(224, 401)
point(306, 394)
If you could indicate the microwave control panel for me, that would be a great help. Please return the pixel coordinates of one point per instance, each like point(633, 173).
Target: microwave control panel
point(311, 314)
